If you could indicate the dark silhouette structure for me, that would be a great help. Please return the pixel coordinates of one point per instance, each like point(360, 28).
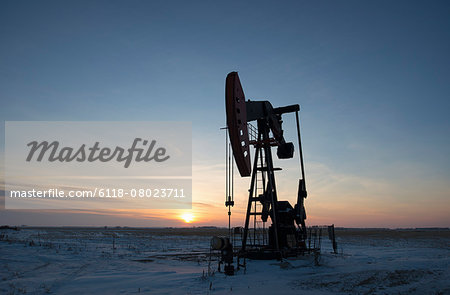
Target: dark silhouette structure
point(286, 235)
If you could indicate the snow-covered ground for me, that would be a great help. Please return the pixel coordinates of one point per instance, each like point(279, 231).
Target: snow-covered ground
point(170, 261)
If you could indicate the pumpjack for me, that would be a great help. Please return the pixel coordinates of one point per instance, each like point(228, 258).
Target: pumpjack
point(287, 232)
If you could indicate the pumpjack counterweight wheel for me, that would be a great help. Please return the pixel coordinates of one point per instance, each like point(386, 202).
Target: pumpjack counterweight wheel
point(237, 123)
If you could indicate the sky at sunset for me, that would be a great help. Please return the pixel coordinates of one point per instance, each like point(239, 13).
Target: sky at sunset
point(372, 79)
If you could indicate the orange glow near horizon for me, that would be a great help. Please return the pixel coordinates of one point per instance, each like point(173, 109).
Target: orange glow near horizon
point(333, 198)
point(187, 217)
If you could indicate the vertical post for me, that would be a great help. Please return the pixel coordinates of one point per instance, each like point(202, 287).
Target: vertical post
point(263, 181)
point(300, 147)
point(262, 125)
point(227, 147)
point(230, 190)
point(226, 164)
point(302, 184)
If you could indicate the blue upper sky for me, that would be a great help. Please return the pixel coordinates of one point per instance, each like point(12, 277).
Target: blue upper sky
point(372, 77)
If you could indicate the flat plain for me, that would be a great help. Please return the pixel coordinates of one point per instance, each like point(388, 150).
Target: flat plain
point(74, 260)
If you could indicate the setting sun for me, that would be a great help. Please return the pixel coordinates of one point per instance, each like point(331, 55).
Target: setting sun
point(187, 217)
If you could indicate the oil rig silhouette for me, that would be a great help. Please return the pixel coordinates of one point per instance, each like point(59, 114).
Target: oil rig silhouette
point(287, 234)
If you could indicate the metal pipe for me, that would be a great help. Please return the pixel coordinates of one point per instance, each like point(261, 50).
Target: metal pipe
point(300, 147)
